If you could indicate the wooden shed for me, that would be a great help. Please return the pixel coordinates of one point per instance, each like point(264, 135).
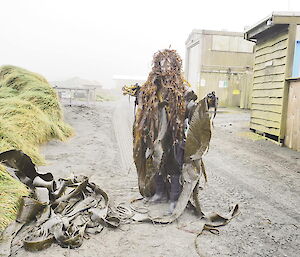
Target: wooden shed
point(275, 58)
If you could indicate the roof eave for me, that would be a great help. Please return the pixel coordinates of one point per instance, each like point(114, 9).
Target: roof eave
point(258, 28)
point(276, 18)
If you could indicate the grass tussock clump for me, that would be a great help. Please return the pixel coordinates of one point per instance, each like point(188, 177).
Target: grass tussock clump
point(30, 115)
point(11, 191)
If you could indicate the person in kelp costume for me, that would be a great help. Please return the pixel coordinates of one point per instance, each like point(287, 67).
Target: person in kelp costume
point(164, 107)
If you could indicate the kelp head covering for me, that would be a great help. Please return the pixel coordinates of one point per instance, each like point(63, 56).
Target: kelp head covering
point(164, 86)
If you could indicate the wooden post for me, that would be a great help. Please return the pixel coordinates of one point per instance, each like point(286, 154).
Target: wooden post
point(88, 96)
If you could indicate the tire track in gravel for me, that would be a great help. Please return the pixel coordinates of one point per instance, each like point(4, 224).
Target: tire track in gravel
point(122, 125)
point(263, 179)
point(260, 196)
point(266, 226)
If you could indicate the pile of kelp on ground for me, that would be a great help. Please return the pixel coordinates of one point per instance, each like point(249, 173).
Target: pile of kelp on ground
point(66, 211)
point(62, 211)
point(30, 115)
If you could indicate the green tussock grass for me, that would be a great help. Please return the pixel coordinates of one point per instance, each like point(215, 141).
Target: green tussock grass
point(11, 191)
point(30, 115)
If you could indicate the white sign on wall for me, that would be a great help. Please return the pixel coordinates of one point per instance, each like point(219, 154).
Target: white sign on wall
point(223, 84)
point(202, 82)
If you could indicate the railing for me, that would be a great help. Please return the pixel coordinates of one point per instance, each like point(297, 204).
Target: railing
point(76, 96)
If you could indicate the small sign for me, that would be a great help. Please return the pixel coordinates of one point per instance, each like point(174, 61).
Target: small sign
point(223, 84)
point(236, 92)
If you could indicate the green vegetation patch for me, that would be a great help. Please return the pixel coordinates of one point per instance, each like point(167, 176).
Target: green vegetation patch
point(30, 115)
point(11, 190)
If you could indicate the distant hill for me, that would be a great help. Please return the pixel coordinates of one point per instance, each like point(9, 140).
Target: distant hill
point(76, 82)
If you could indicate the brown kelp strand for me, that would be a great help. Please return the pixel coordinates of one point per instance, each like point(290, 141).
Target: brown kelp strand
point(62, 211)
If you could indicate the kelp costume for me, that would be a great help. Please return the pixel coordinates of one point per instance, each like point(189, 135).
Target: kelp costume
point(170, 133)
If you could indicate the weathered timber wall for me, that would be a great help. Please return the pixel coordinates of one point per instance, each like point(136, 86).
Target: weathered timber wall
point(268, 84)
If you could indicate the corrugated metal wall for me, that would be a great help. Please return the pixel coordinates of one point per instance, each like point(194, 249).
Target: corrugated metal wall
point(268, 84)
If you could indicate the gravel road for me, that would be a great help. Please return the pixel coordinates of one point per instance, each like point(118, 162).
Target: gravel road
point(263, 178)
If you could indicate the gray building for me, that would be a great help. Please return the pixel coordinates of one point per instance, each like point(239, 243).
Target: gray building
point(220, 61)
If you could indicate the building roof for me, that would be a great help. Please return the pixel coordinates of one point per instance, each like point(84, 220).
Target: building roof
point(272, 20)
point(213, 32)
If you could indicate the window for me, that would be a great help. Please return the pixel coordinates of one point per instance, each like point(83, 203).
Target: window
point(296, 64)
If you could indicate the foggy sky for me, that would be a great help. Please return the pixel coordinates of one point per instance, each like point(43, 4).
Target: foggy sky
point(95, 39)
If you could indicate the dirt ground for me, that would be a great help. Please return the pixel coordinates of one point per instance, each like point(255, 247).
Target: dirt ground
point(263, 178)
